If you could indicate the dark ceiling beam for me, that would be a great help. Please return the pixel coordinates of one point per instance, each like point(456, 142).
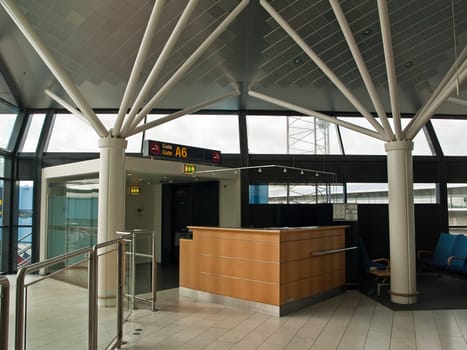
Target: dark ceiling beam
point(16, 93)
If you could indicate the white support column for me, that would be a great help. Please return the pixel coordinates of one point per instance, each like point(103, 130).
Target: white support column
point(401, 222)
point(111, 214)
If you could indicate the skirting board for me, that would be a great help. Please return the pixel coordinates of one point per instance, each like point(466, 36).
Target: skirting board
point(273, 310)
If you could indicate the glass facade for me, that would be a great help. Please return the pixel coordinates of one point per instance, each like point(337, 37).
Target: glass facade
point(24, 224)
point(296, 193)
point(7, 122)
point(218, 132)
point(457, 207)
point(34, 132)
point(291, 135)
point(72, 216)
point(357, 143)
point(73, 204)
point(451, 134)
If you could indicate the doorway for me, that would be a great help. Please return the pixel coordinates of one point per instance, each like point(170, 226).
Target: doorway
point(194, 204)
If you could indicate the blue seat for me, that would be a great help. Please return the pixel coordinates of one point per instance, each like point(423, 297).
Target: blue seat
point(438, 258)
point(368, 264)
point(457, 263)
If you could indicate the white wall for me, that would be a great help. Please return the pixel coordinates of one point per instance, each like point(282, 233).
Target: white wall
point(229, 203)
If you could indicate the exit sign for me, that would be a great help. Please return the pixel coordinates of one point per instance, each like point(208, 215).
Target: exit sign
point(189, 168)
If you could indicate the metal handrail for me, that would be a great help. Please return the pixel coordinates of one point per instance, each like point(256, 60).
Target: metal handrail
point(332, 251)
point(91, 254)
point(133, 234)
point(5, 304)
point(20, 284)
point(93, 296)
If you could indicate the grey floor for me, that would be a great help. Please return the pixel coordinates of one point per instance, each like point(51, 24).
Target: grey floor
point(58, 313)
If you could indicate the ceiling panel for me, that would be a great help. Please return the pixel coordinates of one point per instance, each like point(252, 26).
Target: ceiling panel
point(96, 43)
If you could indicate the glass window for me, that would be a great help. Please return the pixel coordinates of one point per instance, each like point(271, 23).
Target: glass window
point(457, 196)
point(357, 143)
point(451, 135)
point(269, 134)
point(457, 207)
point(24, 238)
point(296, 193)
point(367, 193)
point(72, 215)
point(71, 134)
point(134, 142)
point(1, 201)
point(219, 132)
point(425, 193)
point(7, 122)
point(1, 249)
point(2, 166)
point(34, 132)
point(421, 147)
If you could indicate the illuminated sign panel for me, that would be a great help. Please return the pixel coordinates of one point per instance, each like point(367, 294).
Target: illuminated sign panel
point(135, 190)
point(189, 168)
point(172, 151)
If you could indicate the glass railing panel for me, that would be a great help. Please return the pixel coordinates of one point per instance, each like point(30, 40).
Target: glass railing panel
point(56, 315)
point(107, 297)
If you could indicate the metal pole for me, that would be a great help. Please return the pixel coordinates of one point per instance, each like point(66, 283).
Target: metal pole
point(319, 115)
point(92, 307)
point(324, 68)
point(19, 322)
point(439, 88)
point(120, 268)
point(50, 61)
point(361, 67)
point(67, 106)
point(161, 60)
point(139, 62)
point(189, 62)
point(390, 67)
point(154, 273)
point(5, 308)
point(178, 114)
point(422, 118)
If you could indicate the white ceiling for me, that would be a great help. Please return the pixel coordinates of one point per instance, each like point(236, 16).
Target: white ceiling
point(96, 42)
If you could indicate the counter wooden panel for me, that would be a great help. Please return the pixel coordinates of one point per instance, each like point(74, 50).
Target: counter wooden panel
point(271, 266)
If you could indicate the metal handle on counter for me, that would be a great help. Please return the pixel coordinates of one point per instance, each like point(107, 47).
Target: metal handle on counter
point(333, 251)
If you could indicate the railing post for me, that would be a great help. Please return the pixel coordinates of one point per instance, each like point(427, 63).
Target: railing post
point(120, 268)
point(92, 321)
point(154, 272)
point(19, 322)
point(5, 305)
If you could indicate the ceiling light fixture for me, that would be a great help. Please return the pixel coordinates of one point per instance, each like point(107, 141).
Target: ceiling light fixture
point(408, 64)
point(260, 169)
point(366, 31)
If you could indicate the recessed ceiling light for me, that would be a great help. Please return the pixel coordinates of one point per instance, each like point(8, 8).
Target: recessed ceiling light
point(298, 60)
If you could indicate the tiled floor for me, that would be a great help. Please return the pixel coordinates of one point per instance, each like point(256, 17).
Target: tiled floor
point(348, 321)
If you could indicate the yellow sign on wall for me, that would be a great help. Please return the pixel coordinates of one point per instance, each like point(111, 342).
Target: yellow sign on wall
point(189, 168)
point(135, 190)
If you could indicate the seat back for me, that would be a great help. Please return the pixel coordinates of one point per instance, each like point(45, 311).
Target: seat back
point(365, 260)
point(443, 249)
point(460, 250)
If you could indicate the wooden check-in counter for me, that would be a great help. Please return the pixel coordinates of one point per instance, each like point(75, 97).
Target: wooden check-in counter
point(281, 267)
